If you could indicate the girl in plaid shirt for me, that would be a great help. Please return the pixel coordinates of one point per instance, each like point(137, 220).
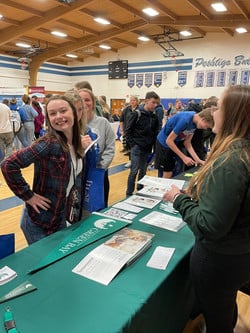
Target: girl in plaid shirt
point(58, 164)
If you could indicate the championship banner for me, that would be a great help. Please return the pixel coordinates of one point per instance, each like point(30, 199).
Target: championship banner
point(221, 79)
point(131, 80)
point(92, 229)
point(139, 80)
point(233, 76)
point(148, 79)
point(199, 79)
point(182, 78)
point(157, 79)
point(244, 77)
point(210, 79)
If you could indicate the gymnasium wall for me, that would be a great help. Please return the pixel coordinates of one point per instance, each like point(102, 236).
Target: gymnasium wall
point(207, 67)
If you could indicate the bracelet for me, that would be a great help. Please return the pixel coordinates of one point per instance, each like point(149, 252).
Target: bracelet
point(176, 196)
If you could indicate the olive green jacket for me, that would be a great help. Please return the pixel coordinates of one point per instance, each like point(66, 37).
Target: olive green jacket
point(220, 220)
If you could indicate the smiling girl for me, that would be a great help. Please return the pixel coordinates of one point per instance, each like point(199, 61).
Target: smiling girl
point(57, 159)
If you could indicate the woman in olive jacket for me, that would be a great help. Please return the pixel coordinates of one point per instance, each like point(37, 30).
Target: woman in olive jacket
point(217, 210)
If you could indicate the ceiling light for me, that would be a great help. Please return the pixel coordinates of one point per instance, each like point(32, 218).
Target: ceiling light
point(70, 55)
point(24, 45)
point(1, 16)
point(150, 11)
point(58, 34)
point(219, 7)
point(101, 21)
point(186, 33)
point(241, 30)
point(143, 38)
point(105, 47)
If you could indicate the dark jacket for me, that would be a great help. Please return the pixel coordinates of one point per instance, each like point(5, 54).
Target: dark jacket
point(142, 129)
point(221, 218)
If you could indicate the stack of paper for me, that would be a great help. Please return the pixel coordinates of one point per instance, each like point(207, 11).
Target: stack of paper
point(6, 275)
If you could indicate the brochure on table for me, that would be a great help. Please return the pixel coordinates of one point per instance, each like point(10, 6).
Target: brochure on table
point(104, 262)
point(165, 221)
point(155, 187)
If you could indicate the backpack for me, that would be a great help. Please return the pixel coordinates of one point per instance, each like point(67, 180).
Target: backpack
point(16, 121)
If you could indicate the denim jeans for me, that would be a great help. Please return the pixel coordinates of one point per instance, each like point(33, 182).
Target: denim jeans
point(26, 134)
point(138, 164)
point(32, 231)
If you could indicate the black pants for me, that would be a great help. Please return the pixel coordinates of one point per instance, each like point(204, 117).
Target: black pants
point(216, 279)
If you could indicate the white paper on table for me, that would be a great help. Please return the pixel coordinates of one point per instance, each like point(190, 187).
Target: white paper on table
point(161, 257)
point(125, 206)
point(165, 221)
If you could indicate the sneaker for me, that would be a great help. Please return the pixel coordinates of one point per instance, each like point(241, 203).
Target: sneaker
point(128, 165)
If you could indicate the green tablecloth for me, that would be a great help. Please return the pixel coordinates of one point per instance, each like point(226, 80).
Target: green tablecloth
point(140, 299)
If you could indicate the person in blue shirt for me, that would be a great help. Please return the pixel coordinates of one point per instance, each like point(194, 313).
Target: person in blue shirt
point(176, 135)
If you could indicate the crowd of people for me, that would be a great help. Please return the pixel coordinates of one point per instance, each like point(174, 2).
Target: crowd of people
point(74, 155)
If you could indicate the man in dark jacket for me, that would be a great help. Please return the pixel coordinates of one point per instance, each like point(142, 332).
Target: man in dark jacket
point(141, 131)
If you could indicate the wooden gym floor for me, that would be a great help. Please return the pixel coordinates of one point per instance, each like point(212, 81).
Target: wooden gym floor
point(11, 208)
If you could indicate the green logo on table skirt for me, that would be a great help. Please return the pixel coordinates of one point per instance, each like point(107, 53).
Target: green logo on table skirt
point(81, 234)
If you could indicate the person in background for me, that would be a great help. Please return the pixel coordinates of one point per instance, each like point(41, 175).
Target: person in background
point(177, 135)
point(178, 107)
point(86, 85)
point(217, 211)
point(6, 102)
point(16, 122)
point(106, 137)
point(6, 132)
point(105, 108)
point(57, 159)
point(28, 115)
point(133, 105)
point(159, 111)
point(116, 115)
point(39, 120)
point(141, 130)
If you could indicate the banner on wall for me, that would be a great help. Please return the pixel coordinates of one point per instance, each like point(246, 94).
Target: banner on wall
point(148, 79)
point(244, 80)
point(157, 79)
point(210, 79)
point(131, 80)
point(233, 76)
point(38, 91)
point(199, 79)
point(182, 78)
point(139, 80)
point(221, 79)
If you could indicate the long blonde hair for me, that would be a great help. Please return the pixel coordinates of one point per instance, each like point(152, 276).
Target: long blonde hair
point(235, 129)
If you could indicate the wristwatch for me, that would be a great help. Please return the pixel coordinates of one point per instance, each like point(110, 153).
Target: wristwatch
point(9, 322)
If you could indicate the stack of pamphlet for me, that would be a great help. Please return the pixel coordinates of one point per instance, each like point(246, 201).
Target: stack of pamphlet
point(105, 261)
point(6, 275)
